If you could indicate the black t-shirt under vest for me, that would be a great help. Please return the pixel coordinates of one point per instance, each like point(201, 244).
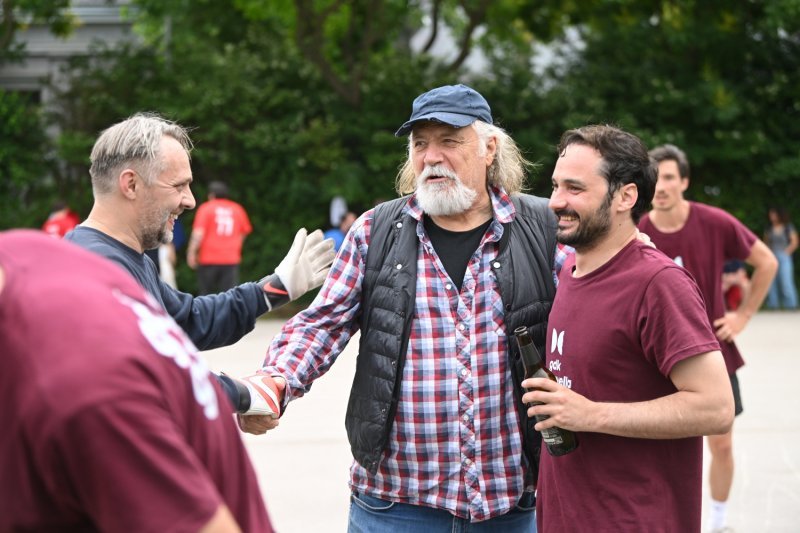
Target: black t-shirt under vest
point(455, 248)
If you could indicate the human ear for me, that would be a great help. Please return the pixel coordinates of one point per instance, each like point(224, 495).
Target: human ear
point(628, 194)
point(491, 150)
point(128, 182)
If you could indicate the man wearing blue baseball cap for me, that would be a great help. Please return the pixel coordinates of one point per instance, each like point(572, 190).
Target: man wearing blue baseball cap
point(437, 281)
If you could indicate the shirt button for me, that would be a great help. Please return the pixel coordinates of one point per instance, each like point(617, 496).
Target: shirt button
point(496, 264)
point(463, 372)
point(466, 418)
point(399, 224)
point(461, 326)
point(398, 266)
point(448, 286)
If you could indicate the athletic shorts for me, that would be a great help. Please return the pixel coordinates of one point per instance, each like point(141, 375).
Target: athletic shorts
point(737, 396)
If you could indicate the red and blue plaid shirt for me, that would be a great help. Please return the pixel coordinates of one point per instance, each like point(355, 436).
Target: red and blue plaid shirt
point(455, 443)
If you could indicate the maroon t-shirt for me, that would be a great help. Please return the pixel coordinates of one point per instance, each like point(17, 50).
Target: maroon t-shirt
point(709, 238)
point(110, 420)
point(614, 336)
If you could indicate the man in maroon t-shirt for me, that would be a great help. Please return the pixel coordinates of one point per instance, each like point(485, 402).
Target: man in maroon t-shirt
point(640, 375)
point(111, 421)
point(701, 238)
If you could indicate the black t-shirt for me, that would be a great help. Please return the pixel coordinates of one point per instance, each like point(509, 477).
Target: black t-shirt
point(455, 248)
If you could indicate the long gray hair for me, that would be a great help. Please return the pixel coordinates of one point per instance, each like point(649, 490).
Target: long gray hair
point(506, 171)
point(133, 143)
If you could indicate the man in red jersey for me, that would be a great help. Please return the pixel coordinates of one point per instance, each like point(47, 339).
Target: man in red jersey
point(215, 247)
point(111, 420)
point(639, 371)
point(701, 238)
point(60, 221)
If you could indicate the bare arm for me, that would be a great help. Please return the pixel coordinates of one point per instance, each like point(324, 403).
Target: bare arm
point(221, 522)
point(792, 243)
point(764, 266)
point(703, 405)
point(194, 246)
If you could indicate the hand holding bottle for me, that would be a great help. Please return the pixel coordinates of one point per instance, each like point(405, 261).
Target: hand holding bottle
point(555, 405)
point(559, 441)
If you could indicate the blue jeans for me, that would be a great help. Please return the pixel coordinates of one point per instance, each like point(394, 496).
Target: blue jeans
point(783, 286)
point(372, 515)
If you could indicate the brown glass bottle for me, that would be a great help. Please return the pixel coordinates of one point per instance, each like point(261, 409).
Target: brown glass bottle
point(557, 441)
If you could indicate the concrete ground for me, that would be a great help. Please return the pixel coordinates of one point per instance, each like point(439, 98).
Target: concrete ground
point(303, 465)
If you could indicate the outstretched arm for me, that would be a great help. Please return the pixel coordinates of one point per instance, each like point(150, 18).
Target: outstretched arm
point(304, 268)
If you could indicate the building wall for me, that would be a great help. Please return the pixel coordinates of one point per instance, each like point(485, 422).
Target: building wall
point(45, 54)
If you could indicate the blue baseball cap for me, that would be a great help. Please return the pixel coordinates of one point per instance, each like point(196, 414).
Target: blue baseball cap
point(454, 105)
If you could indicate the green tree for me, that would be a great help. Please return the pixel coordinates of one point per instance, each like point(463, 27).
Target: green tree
point(288, 114)
point(717, 78)
point(23, 156)
point(19, 14)
point(27, 187)
point(296, 101)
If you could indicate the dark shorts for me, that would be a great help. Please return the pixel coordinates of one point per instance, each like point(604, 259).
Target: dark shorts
point(212, 279)
point(737, 396)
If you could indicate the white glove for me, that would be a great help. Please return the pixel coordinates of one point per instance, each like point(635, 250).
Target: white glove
point(307, 263)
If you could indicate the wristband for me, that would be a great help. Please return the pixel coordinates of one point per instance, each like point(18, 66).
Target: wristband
point(275, 293)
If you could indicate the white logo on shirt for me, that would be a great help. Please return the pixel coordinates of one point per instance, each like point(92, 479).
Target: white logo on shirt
point(557, 342)
point(679, 261)
point(169, 340)
point(223, 217)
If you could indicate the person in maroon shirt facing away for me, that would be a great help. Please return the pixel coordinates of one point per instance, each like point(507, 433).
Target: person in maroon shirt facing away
point(640, 375)
point(111, 421)
point(701, 238)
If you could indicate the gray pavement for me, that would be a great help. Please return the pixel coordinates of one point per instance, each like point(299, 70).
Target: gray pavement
point(303, 465)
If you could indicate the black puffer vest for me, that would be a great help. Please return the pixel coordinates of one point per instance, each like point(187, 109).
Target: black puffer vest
point(524, 272)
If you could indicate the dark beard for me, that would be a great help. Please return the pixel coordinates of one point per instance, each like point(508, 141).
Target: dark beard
point(590, 229)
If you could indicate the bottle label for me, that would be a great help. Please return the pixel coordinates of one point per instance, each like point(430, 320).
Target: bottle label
point(551, 436)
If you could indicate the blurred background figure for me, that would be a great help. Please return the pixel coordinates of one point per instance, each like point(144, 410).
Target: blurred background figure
point(735, 284)
point(215, 247)
point(781, 237)
point(61, 220)
point(337, 210)
point(338, 232)
point(165, 257)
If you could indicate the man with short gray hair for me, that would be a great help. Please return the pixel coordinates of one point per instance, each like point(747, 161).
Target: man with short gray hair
point(141, 180)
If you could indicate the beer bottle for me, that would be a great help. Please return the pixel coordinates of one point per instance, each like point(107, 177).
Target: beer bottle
point(558, 441)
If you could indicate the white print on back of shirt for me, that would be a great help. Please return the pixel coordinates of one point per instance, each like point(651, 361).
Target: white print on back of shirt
point(169, 340)
point(223, 217)
point(557, 343)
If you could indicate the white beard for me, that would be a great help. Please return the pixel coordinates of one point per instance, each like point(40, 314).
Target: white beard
point(451, 197)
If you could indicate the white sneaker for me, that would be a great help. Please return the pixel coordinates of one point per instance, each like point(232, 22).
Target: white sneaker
point(264, 395)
